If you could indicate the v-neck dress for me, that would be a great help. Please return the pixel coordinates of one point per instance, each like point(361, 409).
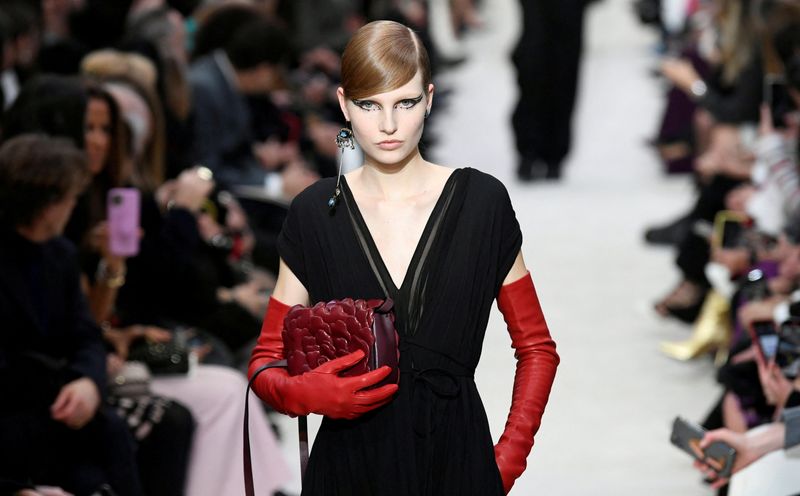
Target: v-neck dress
point(433, 438)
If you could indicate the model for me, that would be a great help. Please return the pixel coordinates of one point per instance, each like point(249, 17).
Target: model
point(443, 243)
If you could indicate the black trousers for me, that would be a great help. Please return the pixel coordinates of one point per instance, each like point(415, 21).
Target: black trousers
point(163, 456)
point(36, 449)
point(547, 58)
point(694, 252)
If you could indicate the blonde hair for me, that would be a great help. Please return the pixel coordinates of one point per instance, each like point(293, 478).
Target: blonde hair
point(737, 37)
point(113, 64)
point(382, 56)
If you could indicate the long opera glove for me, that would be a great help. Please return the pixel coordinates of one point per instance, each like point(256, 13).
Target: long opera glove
point(536, 368)
point(320, 390)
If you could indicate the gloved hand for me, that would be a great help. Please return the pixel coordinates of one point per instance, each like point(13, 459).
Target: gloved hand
point(536, 367)
point(320, 390)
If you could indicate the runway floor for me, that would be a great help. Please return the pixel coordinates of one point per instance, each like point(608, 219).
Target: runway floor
point(606, 429)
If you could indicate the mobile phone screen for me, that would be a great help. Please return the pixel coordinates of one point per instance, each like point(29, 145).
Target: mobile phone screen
point(787, 354)
point(732, 234)
point(780, 102)
point(765, 336)
point(769, 345)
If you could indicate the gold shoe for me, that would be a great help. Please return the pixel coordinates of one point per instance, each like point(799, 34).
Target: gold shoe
point(711, 332)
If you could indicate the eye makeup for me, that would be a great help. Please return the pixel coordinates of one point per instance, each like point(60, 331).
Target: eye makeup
point(370, 105)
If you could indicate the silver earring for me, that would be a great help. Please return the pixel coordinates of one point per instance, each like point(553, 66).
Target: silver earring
point(427, 113)
point(344, 139)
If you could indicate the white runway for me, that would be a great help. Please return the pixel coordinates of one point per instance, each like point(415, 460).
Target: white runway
point(606, 428)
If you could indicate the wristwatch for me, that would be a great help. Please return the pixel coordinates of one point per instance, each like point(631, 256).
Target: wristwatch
point(698, 88)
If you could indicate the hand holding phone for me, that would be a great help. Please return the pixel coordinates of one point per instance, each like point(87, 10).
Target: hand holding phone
point(123, 206)
point(730, 229)
point(718, 455)
point(764, 336)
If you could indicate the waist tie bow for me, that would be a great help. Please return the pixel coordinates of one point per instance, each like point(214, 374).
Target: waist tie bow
point(430, 386)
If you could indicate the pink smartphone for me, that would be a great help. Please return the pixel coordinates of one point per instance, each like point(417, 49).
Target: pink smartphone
point(122, 208)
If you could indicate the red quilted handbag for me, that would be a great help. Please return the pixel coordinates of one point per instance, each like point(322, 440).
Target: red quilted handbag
point(315, 335)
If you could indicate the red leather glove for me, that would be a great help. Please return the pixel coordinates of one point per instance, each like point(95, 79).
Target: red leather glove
point(319, 391)
point(536, 368)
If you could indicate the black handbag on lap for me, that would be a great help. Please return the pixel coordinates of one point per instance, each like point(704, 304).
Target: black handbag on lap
point(161, 358)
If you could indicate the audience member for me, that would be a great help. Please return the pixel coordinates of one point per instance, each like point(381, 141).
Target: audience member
point(250, 63)
point(52, 361)
point(739, 249)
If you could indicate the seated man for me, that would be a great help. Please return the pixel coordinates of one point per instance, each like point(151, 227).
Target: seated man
point(250, 64)
point(53, 431)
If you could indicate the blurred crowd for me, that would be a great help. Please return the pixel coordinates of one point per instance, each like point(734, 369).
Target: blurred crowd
point(121, 372)
point(731, 121)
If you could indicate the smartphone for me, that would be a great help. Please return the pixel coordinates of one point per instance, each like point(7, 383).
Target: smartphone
point(730, 229)
point(718, 455)
point(122, 208)
point(765, 337)
point(776, 96)
point(787, 355)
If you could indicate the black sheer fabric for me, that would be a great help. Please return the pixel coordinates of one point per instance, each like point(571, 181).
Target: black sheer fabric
point(433, 438)
point(409, 298)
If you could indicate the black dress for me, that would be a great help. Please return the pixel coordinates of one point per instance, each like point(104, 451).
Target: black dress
point(433, 438)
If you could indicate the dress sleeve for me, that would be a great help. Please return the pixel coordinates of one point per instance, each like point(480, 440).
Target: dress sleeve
point(509, 235)
point(290, 241)
point(791, 417)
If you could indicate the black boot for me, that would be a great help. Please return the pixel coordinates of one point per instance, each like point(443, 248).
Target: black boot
point(670, 234)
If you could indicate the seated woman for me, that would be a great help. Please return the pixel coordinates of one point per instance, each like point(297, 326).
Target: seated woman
point(52, 361)
point(765, 188)
point(727, 100)
point(213, 394)
point(58, 106)
point(197, 286)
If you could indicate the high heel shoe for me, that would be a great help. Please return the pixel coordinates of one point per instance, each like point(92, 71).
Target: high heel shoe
point(711, 332)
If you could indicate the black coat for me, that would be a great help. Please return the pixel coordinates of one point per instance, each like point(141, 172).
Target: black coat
point(45, 324)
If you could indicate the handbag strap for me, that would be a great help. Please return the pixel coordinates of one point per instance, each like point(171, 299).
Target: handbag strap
point(302, 420)
point(302, 427)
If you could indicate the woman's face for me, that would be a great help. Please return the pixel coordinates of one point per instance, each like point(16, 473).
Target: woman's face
point(97, 134)
point(388, 126)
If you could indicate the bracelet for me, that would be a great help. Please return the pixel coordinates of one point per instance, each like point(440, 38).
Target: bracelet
point(113, 281)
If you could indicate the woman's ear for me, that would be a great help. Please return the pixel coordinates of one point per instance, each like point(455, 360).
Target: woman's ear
point(343, 103)
point(430, 97)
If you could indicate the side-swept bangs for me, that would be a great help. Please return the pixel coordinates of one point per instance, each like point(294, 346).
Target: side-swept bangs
point(382, 56)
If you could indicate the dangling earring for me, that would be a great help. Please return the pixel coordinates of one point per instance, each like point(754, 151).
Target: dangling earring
point(427, 113)
point(344, 139)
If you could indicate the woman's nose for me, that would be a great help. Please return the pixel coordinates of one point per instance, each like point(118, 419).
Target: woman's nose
point(388, 123)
